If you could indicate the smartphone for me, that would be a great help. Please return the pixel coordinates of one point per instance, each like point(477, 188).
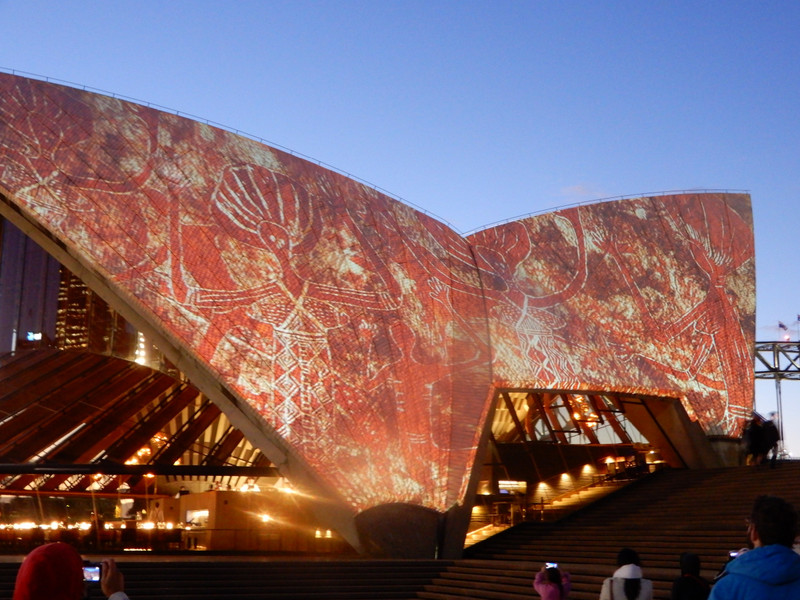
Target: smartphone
point(733, 553)
point(551, 565)
point(91, 571)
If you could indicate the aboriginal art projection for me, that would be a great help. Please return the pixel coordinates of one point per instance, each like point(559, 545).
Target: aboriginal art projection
point(357, 341)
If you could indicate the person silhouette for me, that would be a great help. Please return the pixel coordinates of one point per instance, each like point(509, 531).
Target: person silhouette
point(56, 572)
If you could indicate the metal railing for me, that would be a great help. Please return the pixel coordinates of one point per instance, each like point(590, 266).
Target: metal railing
point(330, 167)
point(230, 129)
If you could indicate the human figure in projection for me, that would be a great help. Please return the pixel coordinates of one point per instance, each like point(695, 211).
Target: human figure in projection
point(527, 305)
point(294, 289)
point(720, 247)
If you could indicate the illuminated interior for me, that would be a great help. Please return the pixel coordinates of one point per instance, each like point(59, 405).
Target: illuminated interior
point(567, 418)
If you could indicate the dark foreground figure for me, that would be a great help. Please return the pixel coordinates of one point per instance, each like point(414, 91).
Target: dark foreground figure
point(690, 585)
point(55, 572)
point(771, 570)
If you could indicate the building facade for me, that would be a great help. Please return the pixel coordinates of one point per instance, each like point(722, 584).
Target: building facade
point(358, 343)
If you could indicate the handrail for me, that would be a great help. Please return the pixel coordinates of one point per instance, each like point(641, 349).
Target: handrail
point(547, 511)
point(607, 199)
point(342, 171)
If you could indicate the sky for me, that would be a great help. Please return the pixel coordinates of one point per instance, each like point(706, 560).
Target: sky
point(476, 111)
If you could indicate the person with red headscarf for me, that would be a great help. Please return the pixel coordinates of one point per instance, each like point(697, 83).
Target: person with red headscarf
point(55, 572)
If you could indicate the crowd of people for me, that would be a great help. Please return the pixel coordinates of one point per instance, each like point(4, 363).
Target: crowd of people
point(767, 569)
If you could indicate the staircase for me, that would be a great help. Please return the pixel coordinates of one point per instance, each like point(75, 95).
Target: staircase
point(572, 501)
point(667, 513)
point(670, 512)
point(275, 579)
point(563, 501)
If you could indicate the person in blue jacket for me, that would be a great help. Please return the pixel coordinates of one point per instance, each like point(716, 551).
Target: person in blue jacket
point(771, 570)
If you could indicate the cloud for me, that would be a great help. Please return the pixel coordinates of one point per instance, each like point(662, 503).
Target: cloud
point(580, 192)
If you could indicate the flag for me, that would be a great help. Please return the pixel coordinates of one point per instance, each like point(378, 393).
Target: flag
point(782, 326)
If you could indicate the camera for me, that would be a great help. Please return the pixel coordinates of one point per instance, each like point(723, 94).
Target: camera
point(733, 553)
point(91, 571)
point(551, 565)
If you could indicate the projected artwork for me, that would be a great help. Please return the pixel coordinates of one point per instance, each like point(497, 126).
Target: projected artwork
point(646, 294)
point(366, 336)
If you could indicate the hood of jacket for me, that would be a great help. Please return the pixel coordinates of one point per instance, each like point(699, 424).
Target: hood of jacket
point(50, 572)
point(629, 572)
point(773, 565)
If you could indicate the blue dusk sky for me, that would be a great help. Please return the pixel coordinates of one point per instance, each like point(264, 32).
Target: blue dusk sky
point(476, 112)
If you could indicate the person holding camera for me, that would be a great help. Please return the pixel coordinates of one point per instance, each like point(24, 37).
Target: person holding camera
point(551, 583)
point(112, 581)
point(771, 570)
point(56, 572)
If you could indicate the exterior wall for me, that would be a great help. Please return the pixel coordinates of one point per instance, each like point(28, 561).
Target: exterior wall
point(651, 296)
point(355, 340)
point(343, 325)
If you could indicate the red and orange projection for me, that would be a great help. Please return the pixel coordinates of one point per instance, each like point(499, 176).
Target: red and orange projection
point(648, 295)
point(366, 339)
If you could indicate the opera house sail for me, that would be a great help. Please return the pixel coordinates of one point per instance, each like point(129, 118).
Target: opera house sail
point(359, 343)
